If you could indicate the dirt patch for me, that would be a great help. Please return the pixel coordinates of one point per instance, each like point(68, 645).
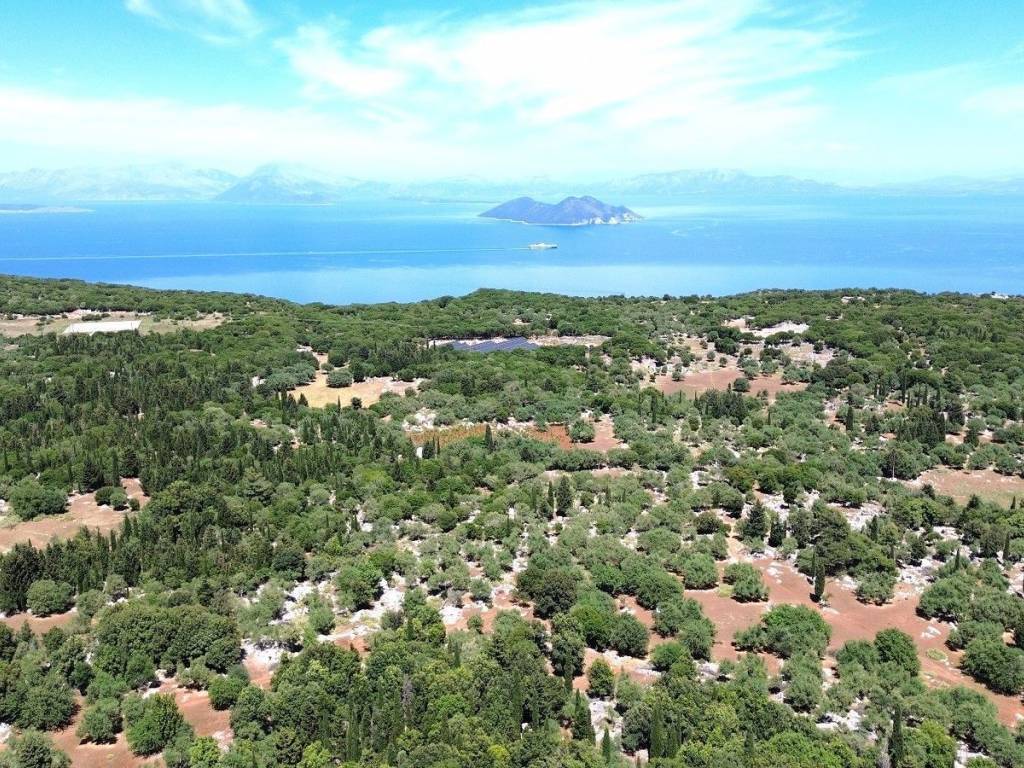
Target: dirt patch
point(604, 436)
point(319, 395)
point(36, 325)
point(40, 625)
point(26, 325)
point(986, 484)
point(699, 382)
point(852, 620)
point(592, 340)
point(199, 713)
point(83, 512)
point(195, 708)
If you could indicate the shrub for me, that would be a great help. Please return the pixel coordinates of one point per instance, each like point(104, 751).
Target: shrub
point(876, 588)
point(101, 722)
point(990, 661)
point(629, 636)
point(46, 597)
point(339, 378)
point(684, 619)
point(30, 499)
point(152, 723)
point(747, 584)
point(33, 750)
point(786, 630)
point(581, 431)
point(896, 649)
point(699, 571)
point(601, 680)
point(224, 691)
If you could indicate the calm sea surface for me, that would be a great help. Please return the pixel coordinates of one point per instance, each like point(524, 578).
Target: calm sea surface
point(394, 250)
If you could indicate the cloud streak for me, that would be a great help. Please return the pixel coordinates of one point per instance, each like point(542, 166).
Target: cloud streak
point(216, 21)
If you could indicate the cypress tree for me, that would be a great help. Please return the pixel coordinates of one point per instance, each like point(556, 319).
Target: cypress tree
point(897, 746)
point(606, 746)
point(657, 733)
point(582, 727)
point(819, 583)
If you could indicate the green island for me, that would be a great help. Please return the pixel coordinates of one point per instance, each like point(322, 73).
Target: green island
point(779, 529)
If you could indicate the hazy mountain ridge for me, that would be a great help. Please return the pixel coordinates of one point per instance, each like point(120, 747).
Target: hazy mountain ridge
point(169, 181)
point(715, 182)
point(571, 212)
point(291, 184)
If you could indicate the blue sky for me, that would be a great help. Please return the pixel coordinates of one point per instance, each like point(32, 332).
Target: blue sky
point(863, 91)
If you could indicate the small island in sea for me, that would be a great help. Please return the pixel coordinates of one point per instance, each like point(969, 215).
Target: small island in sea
point(571, 212)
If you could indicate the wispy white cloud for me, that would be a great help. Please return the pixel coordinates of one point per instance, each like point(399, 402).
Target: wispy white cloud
point(642, 63)
point(999, 100)
point(216, 21)
point(234, 136)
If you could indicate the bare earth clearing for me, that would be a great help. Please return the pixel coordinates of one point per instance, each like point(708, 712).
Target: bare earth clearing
point(850, 620)
point(986, 484)
point(83, 512)
point(194, 706)
point(699, 382)
point(319, 395)
point(36, 325)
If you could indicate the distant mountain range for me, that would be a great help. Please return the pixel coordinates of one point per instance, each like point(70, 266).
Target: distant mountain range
point(134, 182)
point(571, 212)
point(290, 184)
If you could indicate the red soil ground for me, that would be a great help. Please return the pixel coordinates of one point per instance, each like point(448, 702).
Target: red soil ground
point(83, 512)
point(194, 706)
point(604, 436)
point(40, 625)
point(850, 620)
point(699, 382)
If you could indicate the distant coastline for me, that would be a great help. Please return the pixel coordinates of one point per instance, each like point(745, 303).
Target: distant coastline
point(13, 210)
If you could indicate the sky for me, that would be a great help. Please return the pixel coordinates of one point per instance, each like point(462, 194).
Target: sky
point(868, 91)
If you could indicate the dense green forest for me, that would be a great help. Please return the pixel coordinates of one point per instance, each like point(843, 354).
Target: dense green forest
point(426, 594)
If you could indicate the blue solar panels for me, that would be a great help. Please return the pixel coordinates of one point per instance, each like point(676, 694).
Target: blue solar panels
point(506, 345)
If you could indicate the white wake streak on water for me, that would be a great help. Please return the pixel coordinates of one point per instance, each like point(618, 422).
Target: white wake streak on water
point(261, 254)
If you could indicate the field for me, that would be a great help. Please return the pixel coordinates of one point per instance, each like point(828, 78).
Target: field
point(83, 512)
point(699, 382)
point(35, 325)
point(986, 484)
point(319, 395)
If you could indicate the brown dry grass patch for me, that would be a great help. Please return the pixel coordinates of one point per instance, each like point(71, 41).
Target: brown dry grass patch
point(83, 512)
point(986, 484)
point(319, 395)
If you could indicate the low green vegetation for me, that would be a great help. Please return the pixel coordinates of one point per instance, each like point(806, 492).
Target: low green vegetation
point(435, 580)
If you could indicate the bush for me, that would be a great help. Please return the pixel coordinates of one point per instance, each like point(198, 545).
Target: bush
point(699, 571)
point(224, 691)
point(897, 650)
point(629, 636)
point(339, 378)
point(581, 432)
point(665, 655)
point(153, 723)
point(46, 597)
point(33, 750)
point(876, 588)
point(949, 598)
point(600, 680)
point(684, 619)
point(990, 661)
point(101, 722)
point(747, 584)
point(31, 500)
point(803, 674)
point(786, 630)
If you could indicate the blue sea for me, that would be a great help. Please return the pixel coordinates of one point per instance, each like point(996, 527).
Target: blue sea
point(406, 250)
